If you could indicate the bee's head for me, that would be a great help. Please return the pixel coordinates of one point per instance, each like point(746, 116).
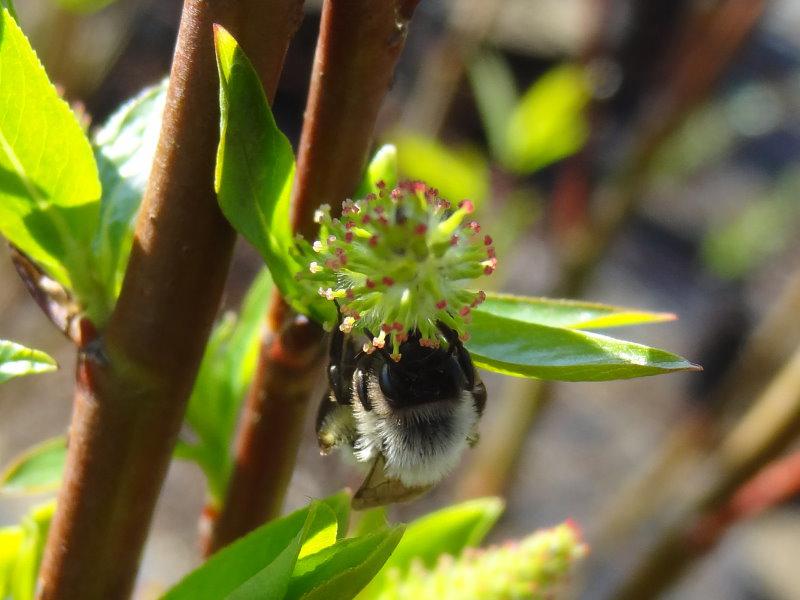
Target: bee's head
point(423, 375)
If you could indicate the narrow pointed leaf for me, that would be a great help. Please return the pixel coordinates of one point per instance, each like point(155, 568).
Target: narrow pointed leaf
point(255, 164)
point(346, 567)
point(36, 471)
point(537, 351)
point(17, 360)
point(225, 373)
point(244, 559)
point(548, 123)
point(572, 314)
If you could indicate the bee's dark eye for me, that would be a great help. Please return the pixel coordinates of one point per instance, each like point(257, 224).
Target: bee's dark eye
point(386, 383)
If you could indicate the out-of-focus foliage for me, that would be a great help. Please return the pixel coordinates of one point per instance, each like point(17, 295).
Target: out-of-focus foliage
point(16, 360)
point(496, 97)
point(534, 568)
point(83, 6)
point(457, 173)
point(37, 470)
point(225, 373)
point(21, 548)
point(124, 148)
point(547, 123)
point(762, 229)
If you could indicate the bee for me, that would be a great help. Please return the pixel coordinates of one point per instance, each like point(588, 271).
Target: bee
point(409, 419)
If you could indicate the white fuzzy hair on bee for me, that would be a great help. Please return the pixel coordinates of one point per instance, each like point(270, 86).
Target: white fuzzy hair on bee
point(420, 444)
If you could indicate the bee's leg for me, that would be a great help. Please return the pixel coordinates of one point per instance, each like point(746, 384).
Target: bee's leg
point(360, 381)
point(340, 367)
point(474, 382)
point(456, 348)
point(336, 425)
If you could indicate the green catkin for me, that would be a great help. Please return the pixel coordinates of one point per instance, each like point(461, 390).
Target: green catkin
point(399, 261)
point(535, 568)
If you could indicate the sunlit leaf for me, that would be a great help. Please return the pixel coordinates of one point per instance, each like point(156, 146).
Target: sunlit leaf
point(255, 164)
point(549, 123)
point(236, 564)
point(21, 549)
point(371, 520)
point(537, 351)
point(17, 360)
point(225, 373)
point(38, 470)
point(456, 173)
point(49, 187)
point(124, 149)
point(572, 314)
point(382, 167)
point(446, 531)
point(342, 570)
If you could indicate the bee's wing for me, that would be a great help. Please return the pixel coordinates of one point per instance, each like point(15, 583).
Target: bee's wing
point(379, 490)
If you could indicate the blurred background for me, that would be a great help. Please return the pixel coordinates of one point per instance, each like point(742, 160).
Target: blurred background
point(644, 153)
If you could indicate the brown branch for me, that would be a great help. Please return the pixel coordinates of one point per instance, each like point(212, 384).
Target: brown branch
point(359, 44)
point(134, 380)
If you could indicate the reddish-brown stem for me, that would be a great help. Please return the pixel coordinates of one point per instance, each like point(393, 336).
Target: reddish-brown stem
point(359, 44)
point(133, 381)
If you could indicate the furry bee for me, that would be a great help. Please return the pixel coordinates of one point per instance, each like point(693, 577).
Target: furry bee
point(410, 420)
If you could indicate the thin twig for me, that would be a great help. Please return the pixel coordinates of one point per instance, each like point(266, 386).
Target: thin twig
point(762, 435)
point(359, 44)
point(133, 381)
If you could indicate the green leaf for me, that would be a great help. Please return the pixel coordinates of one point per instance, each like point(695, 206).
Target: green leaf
point(8, 4)
point(457, 173)
point(83, 6)
point(340, 505)
point(571, 314)
point(21, 549)
point(549, 123)
point(382, 167)
point(17, 360)
point(235, 565)
point(225, 373)
point(49, 188)
point(342, 570)
point(272, 581)
point(446, 531)
point(11, 539)
point(495, 95)
point(537, 351)
point(255, 164)
point(124, 149)
point(371, 520)
point(37, 470)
